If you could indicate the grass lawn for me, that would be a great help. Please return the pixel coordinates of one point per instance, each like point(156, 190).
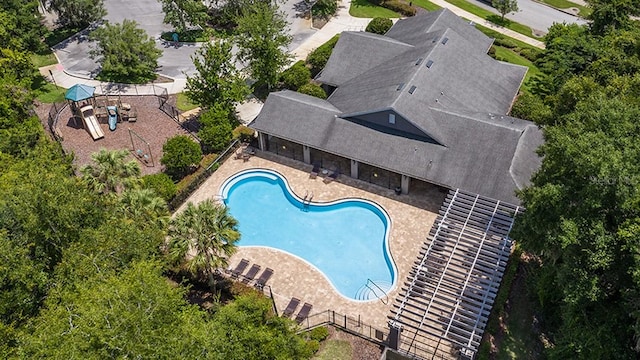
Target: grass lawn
point(49, 93)
point(496, 19)
point(40, 60)
point(365, 9)
point(510, 56)
point(183, 103)
point(496, 35)
point(426, 4)
point(565, 4)
point(334, 350)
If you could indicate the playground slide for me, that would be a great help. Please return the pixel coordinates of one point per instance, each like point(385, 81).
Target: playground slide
point(112, 112)
point(91, 123)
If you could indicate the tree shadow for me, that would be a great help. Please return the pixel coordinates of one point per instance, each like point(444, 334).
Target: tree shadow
point(498, 20)
point(302, 9)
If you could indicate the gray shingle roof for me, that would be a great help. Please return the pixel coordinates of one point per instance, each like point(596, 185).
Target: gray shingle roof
point(490, 156)
point(448, 94)
point(414, 29)
point(364, 51)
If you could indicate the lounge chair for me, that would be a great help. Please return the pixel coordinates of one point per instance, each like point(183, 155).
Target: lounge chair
point(331, 177)
point(314, 171)
point(253, 271)
point(239, 268)
point(264, 277)
point(304, 312)
point(291, 307)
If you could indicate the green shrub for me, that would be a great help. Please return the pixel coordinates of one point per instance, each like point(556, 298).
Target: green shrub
point(530, 54)
point(179, 155)
point(313, 90)
point(379, 25)
point(243, 133)
point(313, 346)
point(162, 184)
point(215, 133)
point(492, 51)
point(318, 58)
point(531, 107)
point(296, 76)
point(319, 333)
point(400, 7)
point(325, 8)
point(505, 42)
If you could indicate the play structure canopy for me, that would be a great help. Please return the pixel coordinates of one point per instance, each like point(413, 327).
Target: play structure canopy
point(79, 92)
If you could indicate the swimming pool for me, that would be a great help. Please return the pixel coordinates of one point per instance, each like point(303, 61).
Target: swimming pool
point(346, 240)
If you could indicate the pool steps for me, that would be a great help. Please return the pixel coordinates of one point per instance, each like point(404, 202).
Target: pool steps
point(369, 292)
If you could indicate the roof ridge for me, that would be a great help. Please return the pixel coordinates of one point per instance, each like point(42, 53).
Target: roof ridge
point(321, 103)
point(377, 37)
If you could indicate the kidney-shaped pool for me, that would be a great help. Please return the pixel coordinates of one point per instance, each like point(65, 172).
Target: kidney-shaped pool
point(346, 240)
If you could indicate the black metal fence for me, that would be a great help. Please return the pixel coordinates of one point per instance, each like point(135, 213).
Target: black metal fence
point(52, 119)
point(346, 323)
point(182, 196)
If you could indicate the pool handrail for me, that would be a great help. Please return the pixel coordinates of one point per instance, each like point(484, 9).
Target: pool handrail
point(374, 292)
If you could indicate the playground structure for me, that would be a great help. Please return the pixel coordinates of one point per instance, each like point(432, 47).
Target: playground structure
point(141, 149)
point(78, 97)
point(112, 113)
point(125, 112)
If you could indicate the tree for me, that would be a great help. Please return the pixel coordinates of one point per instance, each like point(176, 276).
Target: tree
point(505, 6)
point(203, 237)
point(313, 90)
point(125, 52)
point(217, 82)
point(215, 133)
point(179, 155)
point(248, 329)
point(379, 25)
point(612, 14)
point(582, 220)
point(182, 13)
point(144, 206)
point(262, 42)
point(136, 314)
point(21, 28)
point(78, 13)
point(110, 173)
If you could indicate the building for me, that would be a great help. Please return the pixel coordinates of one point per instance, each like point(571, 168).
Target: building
point(424, 102)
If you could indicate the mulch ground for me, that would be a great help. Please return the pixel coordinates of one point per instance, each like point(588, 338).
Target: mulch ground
point(152, 124)
point(362, 349)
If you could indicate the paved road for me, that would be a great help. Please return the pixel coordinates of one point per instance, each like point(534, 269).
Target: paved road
point(174, 62)
point(537, 16)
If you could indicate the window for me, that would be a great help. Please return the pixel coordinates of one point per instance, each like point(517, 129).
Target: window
point(392, 118)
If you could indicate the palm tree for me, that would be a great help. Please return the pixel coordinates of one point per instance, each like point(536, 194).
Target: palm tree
point(110, 173)
point(202, 238)
point(145, 205)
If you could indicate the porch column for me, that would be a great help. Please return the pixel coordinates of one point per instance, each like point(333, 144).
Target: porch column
point(354, 169)
point(261, 142)
point(404, 184)
point(306, 154)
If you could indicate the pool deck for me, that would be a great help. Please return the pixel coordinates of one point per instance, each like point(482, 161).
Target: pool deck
point(411, 219)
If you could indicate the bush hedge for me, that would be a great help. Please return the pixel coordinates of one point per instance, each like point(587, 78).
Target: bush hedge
point(400, 7)
point(379, 25)
point(318, 58)
point(162, 184)
point(243, 133)
point(313, 90)
point(179, 155)
point(295, 76)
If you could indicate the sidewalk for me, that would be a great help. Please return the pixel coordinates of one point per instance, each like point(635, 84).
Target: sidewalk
point(342, 21)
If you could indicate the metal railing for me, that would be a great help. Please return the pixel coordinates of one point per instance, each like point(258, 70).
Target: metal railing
point(386, 301)
point(346, 323)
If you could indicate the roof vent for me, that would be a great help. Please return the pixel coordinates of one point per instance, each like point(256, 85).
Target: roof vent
point(400, 87)
point(412, 89)
point(444, 41)
point(429, 63)
point(419, 61)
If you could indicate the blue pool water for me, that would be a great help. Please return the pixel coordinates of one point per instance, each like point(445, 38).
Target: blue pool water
point(345, 240)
